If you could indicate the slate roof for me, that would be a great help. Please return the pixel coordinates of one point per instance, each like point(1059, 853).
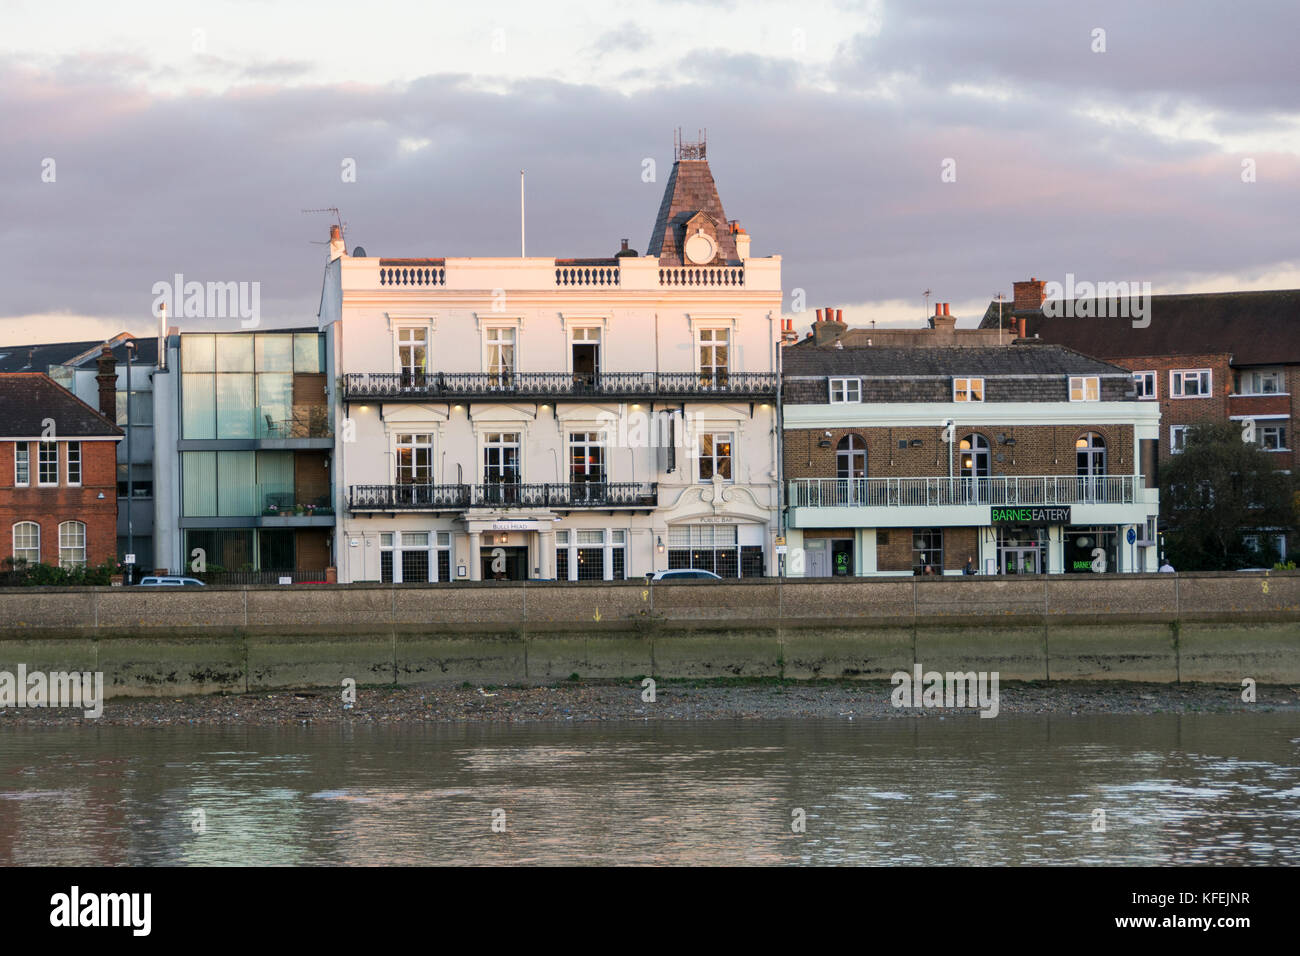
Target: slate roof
point(28, 398)
point(1255, 328)
point(690, 190)
point(39, 358)
point(1022, 359)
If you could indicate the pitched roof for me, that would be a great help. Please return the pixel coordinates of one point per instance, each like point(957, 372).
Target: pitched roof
point(1255, 328)
point(27, 399)
point(39, 358)
point(990, 362)
point(690, 190)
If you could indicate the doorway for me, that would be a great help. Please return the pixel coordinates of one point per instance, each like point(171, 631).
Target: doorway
point(1020, 561)
point(586, 359)
point(842, 557)
point(504, 564)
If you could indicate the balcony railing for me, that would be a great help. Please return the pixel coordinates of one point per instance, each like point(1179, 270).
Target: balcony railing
point(578, 494)
point(943, 491)
point(422, 386)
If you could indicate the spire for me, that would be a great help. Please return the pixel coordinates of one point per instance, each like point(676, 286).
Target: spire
point(691, 206)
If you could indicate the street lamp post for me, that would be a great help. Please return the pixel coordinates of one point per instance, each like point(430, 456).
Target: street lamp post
point(130, 491)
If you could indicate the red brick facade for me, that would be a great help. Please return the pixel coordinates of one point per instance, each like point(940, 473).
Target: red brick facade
point(50, 506)
point(1038, 450)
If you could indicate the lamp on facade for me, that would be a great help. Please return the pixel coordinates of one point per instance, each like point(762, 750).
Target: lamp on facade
point(659, 546)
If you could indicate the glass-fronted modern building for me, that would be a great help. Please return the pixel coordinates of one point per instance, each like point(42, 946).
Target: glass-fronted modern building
point(249, 461)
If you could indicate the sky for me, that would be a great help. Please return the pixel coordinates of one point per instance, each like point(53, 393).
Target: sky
point(883, 148)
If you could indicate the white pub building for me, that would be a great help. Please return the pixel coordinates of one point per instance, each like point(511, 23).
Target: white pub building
point(567, 419)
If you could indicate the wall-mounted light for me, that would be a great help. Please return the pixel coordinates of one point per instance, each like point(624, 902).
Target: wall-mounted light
point(916, 443)
point(825, 440)
point(660, 545)
point(101, 496)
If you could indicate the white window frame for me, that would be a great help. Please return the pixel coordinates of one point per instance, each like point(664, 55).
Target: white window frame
point(849, 387)
point(72, 527)
point(1177, 438)
point(1088, 388)
point(42, 460)
point(590, 438)
point(1249, 376)
point(14, 541)
point(1150, 384)
point(486, 442)
point(416, 442)
point(501, 335)
point(1179, 377)
point(729, 438)
point(1274, 425)
point(74, 458)
point(411, 336)
point(964, 387)
point(22, 464)
point(717, 335)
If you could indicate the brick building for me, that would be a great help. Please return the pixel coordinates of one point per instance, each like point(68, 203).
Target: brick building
point(1022, 458)
point(1213, 357)
point(58, 474)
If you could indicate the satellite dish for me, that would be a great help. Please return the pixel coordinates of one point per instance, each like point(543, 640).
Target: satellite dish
point(358, 253)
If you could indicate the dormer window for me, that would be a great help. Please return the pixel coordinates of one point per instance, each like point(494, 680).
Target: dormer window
point(968, 389)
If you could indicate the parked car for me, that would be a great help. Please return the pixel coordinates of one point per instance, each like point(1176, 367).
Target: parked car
point(683, 574)
point(168, 581)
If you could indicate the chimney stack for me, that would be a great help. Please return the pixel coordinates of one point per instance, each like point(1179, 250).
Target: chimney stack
point(830, 328)
point(337, 249)
point(742, 243)
point(1028, 296)
point(107, 379)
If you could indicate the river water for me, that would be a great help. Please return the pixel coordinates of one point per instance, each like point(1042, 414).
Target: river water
point(1019, 789)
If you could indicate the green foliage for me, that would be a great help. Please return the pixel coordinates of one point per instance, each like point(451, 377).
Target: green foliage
point(1216, 490)
point(18, 573)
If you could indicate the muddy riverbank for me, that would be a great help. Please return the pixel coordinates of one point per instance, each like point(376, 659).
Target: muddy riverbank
point(674, 700)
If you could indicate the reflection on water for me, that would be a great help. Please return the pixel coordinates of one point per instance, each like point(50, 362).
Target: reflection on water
point(1180, 790)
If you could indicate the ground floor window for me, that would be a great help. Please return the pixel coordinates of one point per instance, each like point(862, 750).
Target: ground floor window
point(618, 554)
point(591, 554)
point(1090, 550)
point(414, 557)
point(27, 542)
point(561, 555)
point(713, 548)
point(927, 551)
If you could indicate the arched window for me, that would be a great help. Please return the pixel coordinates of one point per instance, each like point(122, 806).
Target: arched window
point(72, 544)
point(27, 542)
point(851, 457)
point(1090, 455)
point(973, 454)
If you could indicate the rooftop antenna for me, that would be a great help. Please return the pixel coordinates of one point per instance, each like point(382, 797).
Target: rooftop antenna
point(998, 296)
point(926, 294)
point(338, 218)
point(521, 214)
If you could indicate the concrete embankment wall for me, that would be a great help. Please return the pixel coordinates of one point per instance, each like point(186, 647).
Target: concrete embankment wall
point(1163, 628)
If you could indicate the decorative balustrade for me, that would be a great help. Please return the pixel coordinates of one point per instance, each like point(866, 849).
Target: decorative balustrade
point(414, 273)
point(586, 276)
point(720, 276)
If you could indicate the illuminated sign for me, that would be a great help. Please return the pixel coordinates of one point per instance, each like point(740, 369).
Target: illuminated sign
point(1035, 516)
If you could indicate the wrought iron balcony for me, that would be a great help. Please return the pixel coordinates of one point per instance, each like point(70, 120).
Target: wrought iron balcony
point(488, 386)
point(944, 491)
point(633, 495)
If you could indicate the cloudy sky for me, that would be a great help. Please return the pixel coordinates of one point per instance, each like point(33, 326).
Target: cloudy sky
point(143, 139)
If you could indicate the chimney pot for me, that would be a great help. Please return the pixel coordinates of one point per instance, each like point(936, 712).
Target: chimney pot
point(839, 315)
point(938, 309)
point(945, 308)
point(625, 245)
point(819, 315)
